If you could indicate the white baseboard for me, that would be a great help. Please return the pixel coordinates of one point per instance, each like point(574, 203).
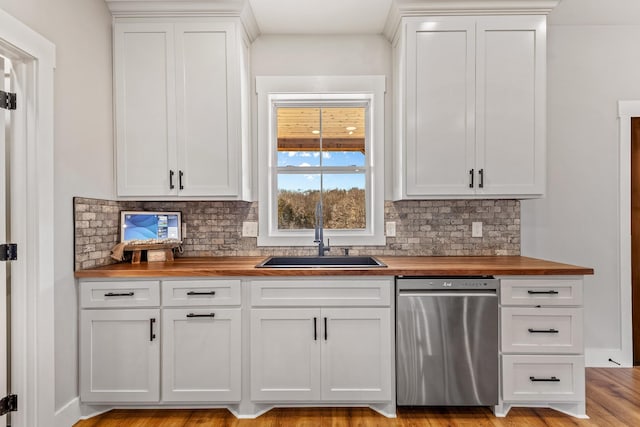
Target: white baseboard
point(607, 358)
point(74, 411)
point(69, 414)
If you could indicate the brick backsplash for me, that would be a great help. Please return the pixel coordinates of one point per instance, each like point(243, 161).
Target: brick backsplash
point(214, 228)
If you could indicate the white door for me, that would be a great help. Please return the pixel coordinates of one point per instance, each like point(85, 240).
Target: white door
point(356, 354)
point(510, 121)
point(440, 102)
point(285, 354)
point(207, 95)
point(144, 71)
point(3, 238)
point(201, 355)
point(120, 355)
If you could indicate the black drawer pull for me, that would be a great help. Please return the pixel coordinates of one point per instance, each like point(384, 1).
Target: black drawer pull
point(122, 294)
point(543, 331)
point(481, 173)
point(151, 334)
point(549, 380)
point(171, 186)
point(542, 292)
point(471, 178)
point(201, 315)
point(201, 293)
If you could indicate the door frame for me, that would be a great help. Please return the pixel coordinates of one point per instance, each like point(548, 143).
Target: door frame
point(626, 110)
point(32, 317)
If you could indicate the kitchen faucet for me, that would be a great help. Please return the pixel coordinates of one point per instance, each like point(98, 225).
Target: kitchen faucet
point(319, 232)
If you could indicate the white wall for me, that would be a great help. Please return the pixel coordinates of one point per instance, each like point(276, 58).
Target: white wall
point(593, 61)
point(83, 147)
point(327, 55)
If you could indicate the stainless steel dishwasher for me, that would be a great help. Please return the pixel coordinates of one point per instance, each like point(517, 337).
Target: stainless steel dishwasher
point(447, 341)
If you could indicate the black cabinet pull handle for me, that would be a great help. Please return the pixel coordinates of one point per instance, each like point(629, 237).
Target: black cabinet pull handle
point(315, 329)
point(542, 292)
point(121, 294)
point(201, 293)
point(325, 328)
point(151, 334)
point(171, 186)
point(550, 380)
point(471, 177)
point(180, 175)
point(543, 331)
point(190, 315)
point(481, 173)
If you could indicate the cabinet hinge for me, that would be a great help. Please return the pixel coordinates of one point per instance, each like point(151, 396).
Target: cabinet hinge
point(8, 252)
point(8, 100)
point(8, 404)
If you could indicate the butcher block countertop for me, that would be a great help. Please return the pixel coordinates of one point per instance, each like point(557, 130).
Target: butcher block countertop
point(396, 266)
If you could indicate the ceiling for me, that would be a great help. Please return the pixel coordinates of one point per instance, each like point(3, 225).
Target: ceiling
point(321, 16)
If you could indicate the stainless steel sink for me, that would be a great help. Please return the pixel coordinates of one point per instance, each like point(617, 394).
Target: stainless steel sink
point(320, 262)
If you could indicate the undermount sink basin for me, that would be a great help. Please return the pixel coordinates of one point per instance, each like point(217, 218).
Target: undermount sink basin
point(320, 261)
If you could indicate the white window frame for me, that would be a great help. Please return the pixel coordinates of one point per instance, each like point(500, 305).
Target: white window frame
point(274, 89)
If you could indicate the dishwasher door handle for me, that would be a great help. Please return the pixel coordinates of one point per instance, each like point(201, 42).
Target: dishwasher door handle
point(431, 293)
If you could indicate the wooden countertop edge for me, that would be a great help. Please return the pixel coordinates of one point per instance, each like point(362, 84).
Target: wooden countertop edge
point(397, 266)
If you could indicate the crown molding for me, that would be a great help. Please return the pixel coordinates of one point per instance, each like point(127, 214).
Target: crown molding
point(407, 8)
point(219, 8)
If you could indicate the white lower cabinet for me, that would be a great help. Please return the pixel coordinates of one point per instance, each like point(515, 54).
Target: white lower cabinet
point(120, 355)
point(332, 354)
point(201, 355)
point(317, 353)
point(198, 325)
point(356, 354)
point(542, 349)
point(285, 354)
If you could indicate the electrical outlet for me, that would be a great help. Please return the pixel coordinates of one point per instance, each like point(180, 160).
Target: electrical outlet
point(476, 229)
point(391, 229)
point(249, 229)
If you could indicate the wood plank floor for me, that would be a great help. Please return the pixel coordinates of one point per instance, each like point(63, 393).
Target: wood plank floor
point(613, 399)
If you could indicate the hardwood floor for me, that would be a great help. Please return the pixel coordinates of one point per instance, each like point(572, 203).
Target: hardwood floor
point(613, 399)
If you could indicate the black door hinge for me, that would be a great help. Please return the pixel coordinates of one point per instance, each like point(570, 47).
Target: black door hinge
point(8, 404)
point(8, 100)
point(8, 252)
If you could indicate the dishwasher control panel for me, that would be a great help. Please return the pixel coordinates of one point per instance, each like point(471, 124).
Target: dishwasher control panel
point(445, 283)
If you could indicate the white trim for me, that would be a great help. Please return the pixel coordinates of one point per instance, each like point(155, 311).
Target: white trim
point(403, 8)
point(32, 351)
point(626, 110)
point(369, 88)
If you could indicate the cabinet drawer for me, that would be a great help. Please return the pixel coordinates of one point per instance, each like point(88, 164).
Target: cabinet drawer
point(321, 292)
point(541, 330)
point(541, 291)
point(200, 292)
point(543, 378)
point(143, 293)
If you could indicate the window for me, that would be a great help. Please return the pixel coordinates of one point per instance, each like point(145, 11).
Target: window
point(320, 147)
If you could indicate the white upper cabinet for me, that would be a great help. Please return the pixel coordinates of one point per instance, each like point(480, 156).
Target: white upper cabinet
point(179, 107)
point(470, 107)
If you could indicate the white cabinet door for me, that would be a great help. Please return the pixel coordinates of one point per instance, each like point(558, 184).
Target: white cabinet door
point(201, 355)
point(510, 107)
point(471, 107)
point(179, 124)
point(356, 354)
point(285, 354)
point(119, 356)
point(440, 104)
point(144, 69)
point(208, 113)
